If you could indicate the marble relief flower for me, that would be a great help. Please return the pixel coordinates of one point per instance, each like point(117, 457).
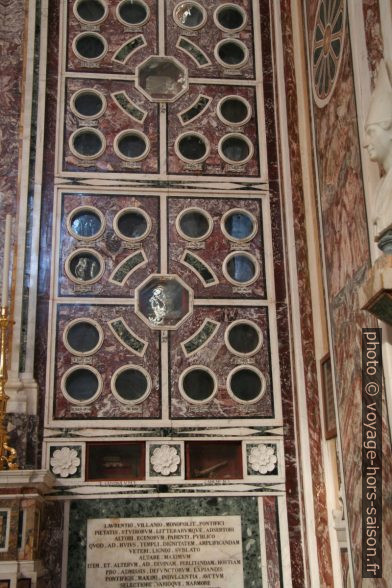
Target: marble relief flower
point(262, 458)
point(165, 460)
point(64, 462)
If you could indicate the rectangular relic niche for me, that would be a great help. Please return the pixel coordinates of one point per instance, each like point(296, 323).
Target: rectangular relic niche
point(214, 460)
point(115, 461)
point(24, 583)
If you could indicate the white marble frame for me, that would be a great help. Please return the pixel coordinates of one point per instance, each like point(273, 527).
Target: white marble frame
point(55, 299)
point(256, 83)
point(7, 530)
point(52, 442)
point(172, 478)
point(279, 477)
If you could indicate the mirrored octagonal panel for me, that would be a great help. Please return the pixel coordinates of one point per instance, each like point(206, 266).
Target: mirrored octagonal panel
point(161, 79)
point(163, 301)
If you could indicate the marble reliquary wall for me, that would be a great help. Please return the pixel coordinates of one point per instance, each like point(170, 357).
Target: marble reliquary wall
point(162, 369)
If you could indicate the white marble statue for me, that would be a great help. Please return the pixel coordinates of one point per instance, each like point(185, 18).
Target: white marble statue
point(379, 145)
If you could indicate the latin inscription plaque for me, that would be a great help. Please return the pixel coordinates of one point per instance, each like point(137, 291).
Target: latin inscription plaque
point(164, 552)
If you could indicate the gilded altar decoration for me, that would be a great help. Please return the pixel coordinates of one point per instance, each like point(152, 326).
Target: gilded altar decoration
point(165, 460)
point(64, 462)
point(8, 454)
point(262, 458)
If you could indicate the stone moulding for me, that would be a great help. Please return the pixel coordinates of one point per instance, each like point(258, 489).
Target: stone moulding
point(375, 295)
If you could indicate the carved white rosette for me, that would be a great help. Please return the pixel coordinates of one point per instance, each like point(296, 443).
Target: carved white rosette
point(165, 460)
point(64, 462)
point(262, 458)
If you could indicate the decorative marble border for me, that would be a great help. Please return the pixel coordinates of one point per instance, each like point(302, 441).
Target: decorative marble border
point(248, 508)
point(168, 454)
point(5, 517)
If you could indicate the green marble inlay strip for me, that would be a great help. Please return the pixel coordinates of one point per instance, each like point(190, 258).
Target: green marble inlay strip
point(126, 50)
point(200, 338)
point(200, 268)
point(244, 506)
point(128, 106)
point(193, 51)
point(127, 267)
point(127, 337)
point(195, 110)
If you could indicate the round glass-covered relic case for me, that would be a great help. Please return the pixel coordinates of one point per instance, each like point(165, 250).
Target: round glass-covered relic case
point(246, 384)
point(84, 266)
point(241, 268)
point(192, 147)
point(131, 384)
point(231, 53)
point(133, 12)
point(163, 301)
point(239, 225)
point(86, 223)
point(81, 385)
point(190, 15)
point(88, 104)
point(230, 17)
point(194, 224)
point(87, 143)
point(131, 145)
point(90, 11)
point(234, 110)
point(235, 148)
point(198, 384)
point(90, 46)
point(83, 336)
point(243, 338)
point(132, 224)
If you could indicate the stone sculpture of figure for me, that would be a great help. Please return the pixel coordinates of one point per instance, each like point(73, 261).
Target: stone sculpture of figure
point(158, 305)
point(86, 269)
point(379, 145)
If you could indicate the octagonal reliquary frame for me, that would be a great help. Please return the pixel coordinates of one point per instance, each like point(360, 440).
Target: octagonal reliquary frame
point(141, 80)
point(164, 312)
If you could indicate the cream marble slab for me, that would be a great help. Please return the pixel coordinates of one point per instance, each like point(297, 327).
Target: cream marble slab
point(175, 551)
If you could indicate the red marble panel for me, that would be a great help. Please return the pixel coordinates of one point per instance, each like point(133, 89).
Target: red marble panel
point(113, 121)
point(340, 176)
point(12, 38)
point(213, 129)
point(270, 511)
point(206, 38)
point(293, 495)
point(374, 42)
point(116, 34)
point(348, 322)
point(111, 356)
point(216, 247)
point(306, 318)
point(221, 361)
point(347, 258)
point(112, 249)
